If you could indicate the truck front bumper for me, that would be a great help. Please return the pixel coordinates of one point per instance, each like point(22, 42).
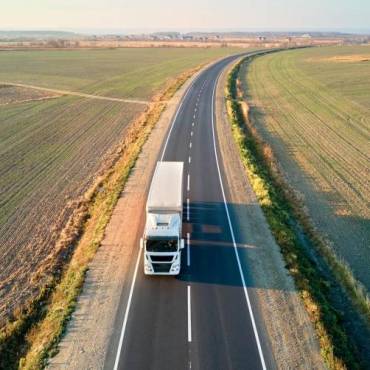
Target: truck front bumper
point(161, 268)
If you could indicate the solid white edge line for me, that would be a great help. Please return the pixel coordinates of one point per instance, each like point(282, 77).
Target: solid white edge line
point(189, 314)
point(123, 329)
point(233, 236)
point(188, 248)
point(188, 187)
point(116, 362)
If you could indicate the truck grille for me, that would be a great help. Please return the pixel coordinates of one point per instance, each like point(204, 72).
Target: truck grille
point(161, 258)
point(161, 267)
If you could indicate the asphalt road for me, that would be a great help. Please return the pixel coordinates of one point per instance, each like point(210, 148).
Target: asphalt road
point(203, 318)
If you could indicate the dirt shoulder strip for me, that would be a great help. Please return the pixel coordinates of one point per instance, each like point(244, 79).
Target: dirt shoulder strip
point(75, 93)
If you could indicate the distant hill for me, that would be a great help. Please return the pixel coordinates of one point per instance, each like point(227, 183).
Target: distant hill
point(269, 34)
point(38, 35)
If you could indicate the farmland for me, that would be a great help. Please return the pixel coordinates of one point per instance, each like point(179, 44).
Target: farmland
point(52, 147)
point(313, 107)
point(123, 73)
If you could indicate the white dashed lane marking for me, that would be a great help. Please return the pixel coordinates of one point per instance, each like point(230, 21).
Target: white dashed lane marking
point(189, 315)
point(188, 248)
point(187, 209)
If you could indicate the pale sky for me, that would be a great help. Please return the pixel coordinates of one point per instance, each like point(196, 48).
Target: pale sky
point(184, 14)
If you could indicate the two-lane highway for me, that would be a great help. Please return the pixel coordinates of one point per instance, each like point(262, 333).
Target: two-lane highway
point(202, 319)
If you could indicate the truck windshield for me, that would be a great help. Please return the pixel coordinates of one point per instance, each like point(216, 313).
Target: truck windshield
point(161, 245)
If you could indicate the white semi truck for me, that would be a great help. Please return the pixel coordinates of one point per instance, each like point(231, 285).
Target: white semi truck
point(162, 240)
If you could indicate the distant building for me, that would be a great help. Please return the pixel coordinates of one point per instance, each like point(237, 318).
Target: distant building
point(167, 35)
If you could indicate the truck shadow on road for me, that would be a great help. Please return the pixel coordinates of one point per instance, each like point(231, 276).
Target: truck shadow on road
point(214, 257)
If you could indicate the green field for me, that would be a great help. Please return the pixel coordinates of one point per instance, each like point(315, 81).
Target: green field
point(51, 149)
point(313, 107)
point(123, 73)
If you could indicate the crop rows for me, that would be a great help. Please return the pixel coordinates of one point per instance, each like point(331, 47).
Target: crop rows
point(320, 135)
point(49, 153)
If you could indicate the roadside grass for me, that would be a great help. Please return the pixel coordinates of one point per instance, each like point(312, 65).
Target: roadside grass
point(277, 203)
point(32, 337)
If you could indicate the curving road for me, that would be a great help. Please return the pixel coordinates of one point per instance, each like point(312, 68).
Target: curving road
point(202, 319)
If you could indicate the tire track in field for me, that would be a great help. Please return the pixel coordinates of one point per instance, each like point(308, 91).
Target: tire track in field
point(76, 93)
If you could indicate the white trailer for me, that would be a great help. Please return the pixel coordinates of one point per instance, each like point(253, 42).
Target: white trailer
point(162, 240)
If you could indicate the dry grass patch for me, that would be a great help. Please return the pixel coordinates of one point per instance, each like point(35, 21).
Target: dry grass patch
point(355, 58)
point(12, 94)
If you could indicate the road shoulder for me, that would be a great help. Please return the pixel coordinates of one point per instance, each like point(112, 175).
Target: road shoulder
point(288, 337)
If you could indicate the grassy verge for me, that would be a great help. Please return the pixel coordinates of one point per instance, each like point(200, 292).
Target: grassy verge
point(33, 334)
point(278, 206)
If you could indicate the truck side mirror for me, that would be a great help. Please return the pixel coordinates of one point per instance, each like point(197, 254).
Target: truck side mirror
point(182, 244)
point(141, 243)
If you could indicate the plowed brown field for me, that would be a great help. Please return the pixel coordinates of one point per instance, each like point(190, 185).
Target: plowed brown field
point(49, 152)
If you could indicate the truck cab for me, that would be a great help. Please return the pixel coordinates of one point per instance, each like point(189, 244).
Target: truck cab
point(163, 244)
point(162, 240)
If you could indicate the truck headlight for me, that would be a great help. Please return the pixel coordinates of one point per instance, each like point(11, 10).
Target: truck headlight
point(175, 266)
